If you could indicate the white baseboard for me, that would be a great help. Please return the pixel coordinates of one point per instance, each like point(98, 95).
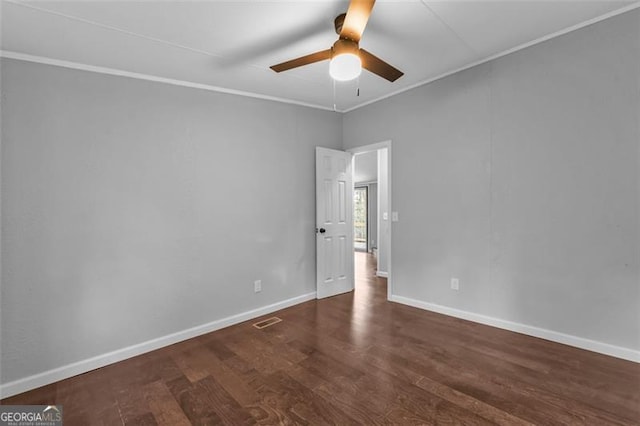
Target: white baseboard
point(382, 274)
point(70, 370)
point(554, 336)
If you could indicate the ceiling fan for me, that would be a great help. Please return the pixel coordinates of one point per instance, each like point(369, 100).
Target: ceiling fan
point(347, 58)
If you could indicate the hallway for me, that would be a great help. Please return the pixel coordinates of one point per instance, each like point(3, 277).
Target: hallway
point(367, 284)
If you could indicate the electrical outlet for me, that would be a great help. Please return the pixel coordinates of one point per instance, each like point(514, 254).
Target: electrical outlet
point(257, 286)
point(455, 284)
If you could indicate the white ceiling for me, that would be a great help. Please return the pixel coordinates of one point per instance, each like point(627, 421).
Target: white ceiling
point(230, 44)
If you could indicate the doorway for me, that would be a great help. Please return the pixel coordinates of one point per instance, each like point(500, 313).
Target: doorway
point(372, 209)
point(334, 218)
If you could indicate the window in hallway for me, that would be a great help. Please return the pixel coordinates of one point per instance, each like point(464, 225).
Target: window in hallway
point(360, 218)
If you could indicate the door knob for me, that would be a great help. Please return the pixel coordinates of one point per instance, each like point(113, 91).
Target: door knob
point(322, 230)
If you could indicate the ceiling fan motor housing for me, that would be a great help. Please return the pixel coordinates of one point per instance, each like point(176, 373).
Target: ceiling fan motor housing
point(343, 45)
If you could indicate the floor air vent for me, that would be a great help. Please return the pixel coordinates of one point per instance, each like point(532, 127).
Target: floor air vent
point(267, 322)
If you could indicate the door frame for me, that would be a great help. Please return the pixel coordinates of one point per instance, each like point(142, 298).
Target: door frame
point(375, 147)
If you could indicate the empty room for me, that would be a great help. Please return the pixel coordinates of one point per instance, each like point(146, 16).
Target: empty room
point(319, 212)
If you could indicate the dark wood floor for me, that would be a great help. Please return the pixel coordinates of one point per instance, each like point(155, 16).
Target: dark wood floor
point(354, 359)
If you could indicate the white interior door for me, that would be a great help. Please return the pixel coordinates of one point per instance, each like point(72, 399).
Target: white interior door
point(334, 221)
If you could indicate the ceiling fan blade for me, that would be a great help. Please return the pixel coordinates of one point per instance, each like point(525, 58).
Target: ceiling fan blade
point(303, 60)
point(356, 19)
point(379, 67)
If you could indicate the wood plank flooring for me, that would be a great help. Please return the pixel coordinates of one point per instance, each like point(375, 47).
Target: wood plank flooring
point(354, 359)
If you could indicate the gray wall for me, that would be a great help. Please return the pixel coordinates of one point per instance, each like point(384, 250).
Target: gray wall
point(521, 177)
point(131, 210)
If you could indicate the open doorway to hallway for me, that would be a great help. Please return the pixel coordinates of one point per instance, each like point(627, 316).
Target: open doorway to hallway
point(365, 201)
point(371, 201)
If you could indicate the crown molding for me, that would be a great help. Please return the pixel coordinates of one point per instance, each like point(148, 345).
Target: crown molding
point(121, 73)
point(559, 33)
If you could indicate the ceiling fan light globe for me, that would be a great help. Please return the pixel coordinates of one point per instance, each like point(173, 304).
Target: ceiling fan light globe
point(345, 67)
